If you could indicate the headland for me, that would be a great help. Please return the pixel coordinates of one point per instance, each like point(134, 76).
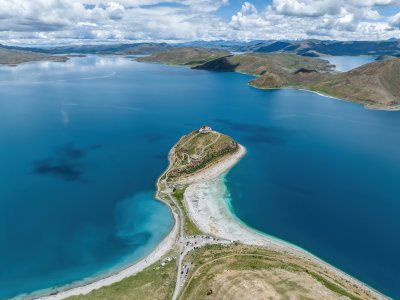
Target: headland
point(208, 241)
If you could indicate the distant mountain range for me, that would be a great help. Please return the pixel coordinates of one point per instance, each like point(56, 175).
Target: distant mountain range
point(312, 48)
point(118, 49)
point(316, 48)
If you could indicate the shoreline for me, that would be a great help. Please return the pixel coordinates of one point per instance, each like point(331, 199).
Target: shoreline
point(161, 250)
point(68, 290)
point(86, 285)
point(213, 215)
point(366, 106)
point(75, 288)
point(319, 93)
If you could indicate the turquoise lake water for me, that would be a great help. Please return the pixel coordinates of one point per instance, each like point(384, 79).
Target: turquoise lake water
point(83, 142)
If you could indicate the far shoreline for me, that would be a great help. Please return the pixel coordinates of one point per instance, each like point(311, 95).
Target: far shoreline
point(320, 93)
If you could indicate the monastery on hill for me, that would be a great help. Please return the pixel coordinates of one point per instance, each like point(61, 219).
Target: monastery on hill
point(205, 129)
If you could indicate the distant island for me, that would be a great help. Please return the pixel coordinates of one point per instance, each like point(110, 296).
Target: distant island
point(209, 253)
point(375, 85)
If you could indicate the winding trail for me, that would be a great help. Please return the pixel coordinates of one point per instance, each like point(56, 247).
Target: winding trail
point(204, 148)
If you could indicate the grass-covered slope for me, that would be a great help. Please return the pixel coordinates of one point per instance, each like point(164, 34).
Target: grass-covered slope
point(185, 56)
point(250, 272)
point(235, 272)
point(275, 69)
point(261, 63)
point(154, 282)
point(196, 151)
point(13, 57)
point(375, 85)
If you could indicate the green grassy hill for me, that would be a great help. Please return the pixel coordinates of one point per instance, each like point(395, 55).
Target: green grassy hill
point(275, 69)
point(196, 151)
point(375, 85)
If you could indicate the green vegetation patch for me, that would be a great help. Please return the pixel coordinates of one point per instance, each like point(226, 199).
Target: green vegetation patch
point(189, 226)
point(154, 282)
point(334, 287)
point(196, 151)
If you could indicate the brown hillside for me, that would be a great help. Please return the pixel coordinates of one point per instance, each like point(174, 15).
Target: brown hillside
point(185, 56)
point(13, 57)
point(375, 84)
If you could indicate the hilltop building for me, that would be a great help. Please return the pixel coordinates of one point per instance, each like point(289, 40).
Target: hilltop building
point(205, 129)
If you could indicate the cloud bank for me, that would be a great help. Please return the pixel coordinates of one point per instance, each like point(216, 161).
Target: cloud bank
point(86, 21)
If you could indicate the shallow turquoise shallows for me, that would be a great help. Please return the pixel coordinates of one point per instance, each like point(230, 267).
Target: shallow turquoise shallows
point(83, 142)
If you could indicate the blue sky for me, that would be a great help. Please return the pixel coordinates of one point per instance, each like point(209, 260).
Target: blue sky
point(388, 11)
point(53, 22)
point(227, 11)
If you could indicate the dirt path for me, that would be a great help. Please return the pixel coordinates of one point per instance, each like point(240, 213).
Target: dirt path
point(204, 148)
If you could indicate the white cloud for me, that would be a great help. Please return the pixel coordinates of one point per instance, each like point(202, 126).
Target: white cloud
point(395, 20)
point(318, 8)
point(324, 19)
point(60, 21)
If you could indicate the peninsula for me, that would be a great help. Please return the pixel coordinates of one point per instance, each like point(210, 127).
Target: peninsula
point(373, 85)
point(209, 253)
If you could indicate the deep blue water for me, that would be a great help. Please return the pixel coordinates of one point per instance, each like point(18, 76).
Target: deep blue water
point(346, 63)
point(83, 142)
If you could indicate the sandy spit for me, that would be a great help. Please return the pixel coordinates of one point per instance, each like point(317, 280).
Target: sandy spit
point(207, 207)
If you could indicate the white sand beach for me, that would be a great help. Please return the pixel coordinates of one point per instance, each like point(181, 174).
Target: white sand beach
point(162, 249)
point(205, 201)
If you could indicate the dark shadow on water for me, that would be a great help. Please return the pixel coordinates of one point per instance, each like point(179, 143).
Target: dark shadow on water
point(64, 163)
point(161, 156)
point(153, 137)
point(260, 134)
